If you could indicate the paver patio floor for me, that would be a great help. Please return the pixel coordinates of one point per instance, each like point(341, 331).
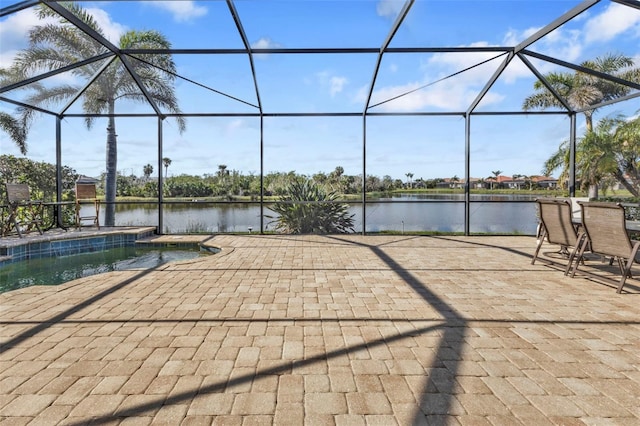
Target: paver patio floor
point(323, 330)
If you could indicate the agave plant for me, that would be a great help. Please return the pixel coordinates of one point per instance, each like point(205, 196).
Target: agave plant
point(308, 209)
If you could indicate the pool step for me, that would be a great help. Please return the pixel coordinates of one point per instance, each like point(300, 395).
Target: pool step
point(172, 240)
point(178, 241)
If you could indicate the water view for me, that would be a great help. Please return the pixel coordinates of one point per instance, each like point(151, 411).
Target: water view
point(494, 214)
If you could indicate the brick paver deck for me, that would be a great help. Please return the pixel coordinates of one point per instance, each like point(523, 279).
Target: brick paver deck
point(344, 330)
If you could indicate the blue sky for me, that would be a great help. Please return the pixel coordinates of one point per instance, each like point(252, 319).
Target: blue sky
point(427, 147)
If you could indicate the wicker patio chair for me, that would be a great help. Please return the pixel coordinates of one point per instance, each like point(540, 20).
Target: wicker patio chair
point(557, 227)
point(86, 194)
point(607, 235)
point(24, 213)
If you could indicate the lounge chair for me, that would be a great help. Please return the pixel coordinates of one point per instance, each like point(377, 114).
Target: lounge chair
point(606, 233)
point(86, 194)
point(556, 227)
point(23, 211)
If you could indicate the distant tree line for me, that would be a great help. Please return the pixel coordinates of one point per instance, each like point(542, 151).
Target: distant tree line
point(223, 183)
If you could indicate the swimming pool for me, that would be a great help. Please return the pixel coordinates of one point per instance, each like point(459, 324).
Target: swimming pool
point(61, 269)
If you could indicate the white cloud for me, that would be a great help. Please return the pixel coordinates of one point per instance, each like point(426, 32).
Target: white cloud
point(264, 43)
point(447, 95)
point(565, 43)
point(111, 30)
point(452, 94)
point(615, 20)
point(335, 83)
point(182, 11)
point(449, 63)
point(389, 8)
point(14, 34)
point(234, 126)
point(514, 37)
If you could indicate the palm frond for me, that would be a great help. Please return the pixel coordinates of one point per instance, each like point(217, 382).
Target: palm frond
point(16, 131)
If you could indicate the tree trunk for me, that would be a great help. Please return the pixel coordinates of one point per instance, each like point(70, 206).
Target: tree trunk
point(112, 170)
point(593, 191)
point(631, 188)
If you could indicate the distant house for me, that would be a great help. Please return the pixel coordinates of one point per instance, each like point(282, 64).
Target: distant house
point(450, 183)
point(502, 182)
point(546, 182)
point(474, 183)
point(499, 182)
point(518, 183)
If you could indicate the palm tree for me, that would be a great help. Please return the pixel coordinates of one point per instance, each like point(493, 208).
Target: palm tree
point(336, 177)
point(52, 46)
point(222, 170)
point(222, 176)
point(167, 162)
point(8, 123)
point(409, 177)
point(627, 143)
point(580, 90)
point(496, 174)
point(612, 149)
point(147, 170)
point(11, 126)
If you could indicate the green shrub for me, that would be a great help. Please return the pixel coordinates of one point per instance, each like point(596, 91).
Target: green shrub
point(306, 208)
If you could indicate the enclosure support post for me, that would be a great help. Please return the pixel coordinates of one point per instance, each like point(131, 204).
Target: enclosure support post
point(57, 212)
point(572, 155)
point(467, 172)
point(261, 173)
point(160, 181)
point(364, 173)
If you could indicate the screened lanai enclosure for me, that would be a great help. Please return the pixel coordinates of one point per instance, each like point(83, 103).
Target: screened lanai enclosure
point(416, 116)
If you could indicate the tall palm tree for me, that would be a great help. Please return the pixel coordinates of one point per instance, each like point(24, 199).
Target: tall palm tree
point(409, 177)
point(454, 181)
point(222, 171)
point(60, 44)
point(496, 174)
point(147, 170)
point(166, 161)
point(580, 90)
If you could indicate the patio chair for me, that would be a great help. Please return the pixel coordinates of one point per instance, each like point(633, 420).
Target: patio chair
point(607, 235)
point(557, 227)
point(86, 195)
point(23, 211)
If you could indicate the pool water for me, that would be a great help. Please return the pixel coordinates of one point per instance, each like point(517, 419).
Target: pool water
point(58, 270)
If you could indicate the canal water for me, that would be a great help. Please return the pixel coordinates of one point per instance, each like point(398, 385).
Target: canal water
point(490, 214)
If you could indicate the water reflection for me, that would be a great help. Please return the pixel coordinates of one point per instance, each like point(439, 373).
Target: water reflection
point(513, 214)
point(61, 269)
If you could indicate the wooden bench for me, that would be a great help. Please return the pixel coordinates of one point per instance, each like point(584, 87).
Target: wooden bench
point(86, 194)
point(23, 211)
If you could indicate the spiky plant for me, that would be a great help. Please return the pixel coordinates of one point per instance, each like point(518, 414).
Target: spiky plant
point(308, 209)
